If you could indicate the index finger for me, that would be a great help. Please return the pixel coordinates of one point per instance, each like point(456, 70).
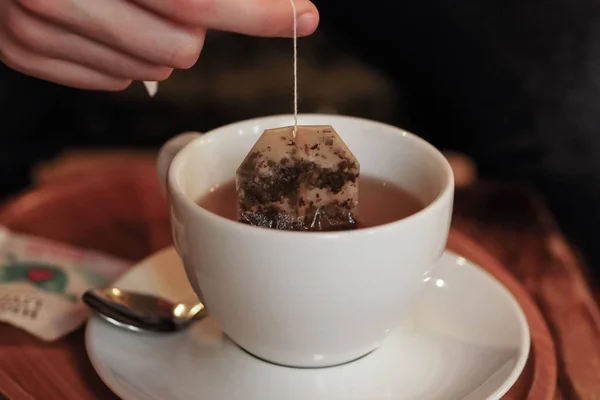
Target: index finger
point(267, 18)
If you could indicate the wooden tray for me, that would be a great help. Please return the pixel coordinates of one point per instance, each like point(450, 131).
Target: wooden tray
point(538, 381)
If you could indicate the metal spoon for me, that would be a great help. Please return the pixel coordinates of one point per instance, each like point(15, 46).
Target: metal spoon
point(140, 312)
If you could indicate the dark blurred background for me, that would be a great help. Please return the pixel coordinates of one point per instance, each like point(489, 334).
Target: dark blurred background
point(237, 77)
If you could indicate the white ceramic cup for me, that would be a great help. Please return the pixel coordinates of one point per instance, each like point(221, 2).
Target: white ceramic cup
point(307, 299)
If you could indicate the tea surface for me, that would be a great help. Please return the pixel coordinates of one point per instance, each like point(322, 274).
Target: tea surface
point(379, 202)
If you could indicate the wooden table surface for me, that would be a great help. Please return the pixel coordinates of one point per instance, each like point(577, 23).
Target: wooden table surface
point(124, 214)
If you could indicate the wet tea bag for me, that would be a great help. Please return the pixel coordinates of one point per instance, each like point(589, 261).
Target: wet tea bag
point(307, 182)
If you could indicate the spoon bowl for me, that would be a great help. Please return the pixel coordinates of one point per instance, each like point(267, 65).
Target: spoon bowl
point(142, 312)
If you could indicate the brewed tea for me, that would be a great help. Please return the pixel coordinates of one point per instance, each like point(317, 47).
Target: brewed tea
point(380, 202)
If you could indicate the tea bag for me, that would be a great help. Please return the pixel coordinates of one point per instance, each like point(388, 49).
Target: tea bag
point(307, 182)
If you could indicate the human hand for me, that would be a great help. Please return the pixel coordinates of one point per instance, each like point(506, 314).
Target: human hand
point(106, 44)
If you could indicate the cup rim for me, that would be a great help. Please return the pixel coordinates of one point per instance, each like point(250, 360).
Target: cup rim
point(174, 189)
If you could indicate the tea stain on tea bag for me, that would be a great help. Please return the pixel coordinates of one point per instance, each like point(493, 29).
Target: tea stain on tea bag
point(307, 182)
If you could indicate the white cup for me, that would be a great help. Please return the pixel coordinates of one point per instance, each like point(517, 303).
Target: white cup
point(308, 299)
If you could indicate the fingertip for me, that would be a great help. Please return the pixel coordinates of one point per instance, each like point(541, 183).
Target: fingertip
point(117, 85)
point(164, 74)
point(308, 21)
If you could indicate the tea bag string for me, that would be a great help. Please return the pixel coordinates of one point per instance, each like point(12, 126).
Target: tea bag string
point(295, 68)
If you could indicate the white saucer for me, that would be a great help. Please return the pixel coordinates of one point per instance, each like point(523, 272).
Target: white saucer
point(468, 340)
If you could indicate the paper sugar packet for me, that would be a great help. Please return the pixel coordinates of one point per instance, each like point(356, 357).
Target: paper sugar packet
point(41, 283)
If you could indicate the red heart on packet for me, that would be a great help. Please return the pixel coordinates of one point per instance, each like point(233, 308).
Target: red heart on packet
point(39, 275)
